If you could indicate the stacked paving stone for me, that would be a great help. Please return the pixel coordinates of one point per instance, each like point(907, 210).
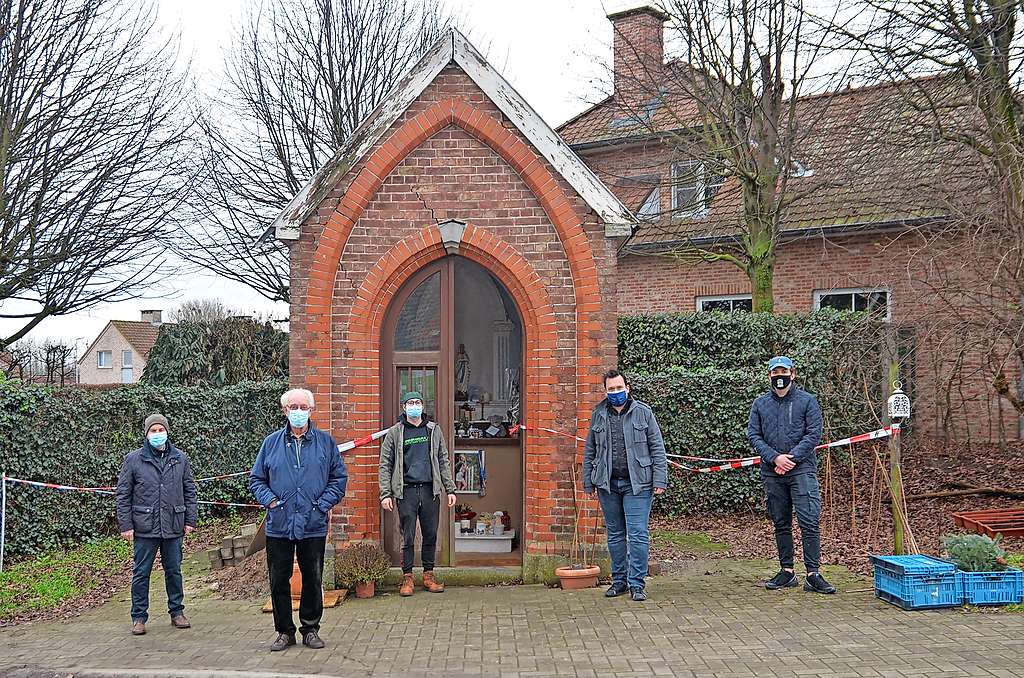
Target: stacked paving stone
point(231, 550)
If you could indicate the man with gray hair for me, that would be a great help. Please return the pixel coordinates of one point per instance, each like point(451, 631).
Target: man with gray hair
point(298, 476)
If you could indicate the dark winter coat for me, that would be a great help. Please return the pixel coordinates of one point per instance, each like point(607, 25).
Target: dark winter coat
point(156, 499)
point(787, 425)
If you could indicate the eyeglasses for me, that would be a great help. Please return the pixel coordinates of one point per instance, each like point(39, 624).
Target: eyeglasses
point(298, 407)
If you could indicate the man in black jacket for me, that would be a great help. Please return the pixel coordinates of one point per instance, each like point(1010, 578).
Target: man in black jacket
point(785, 428)
point(156, 508)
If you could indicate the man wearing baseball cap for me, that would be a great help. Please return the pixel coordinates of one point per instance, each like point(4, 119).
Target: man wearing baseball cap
point(785, 427)
point(414, 473)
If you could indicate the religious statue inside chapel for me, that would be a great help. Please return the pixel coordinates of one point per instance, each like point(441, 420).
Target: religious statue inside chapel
point(462, 372)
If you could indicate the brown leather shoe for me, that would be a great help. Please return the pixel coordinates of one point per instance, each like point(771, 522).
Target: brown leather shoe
point(180, 622)
point(430, 584)
point(407, 585)
point(139, 628)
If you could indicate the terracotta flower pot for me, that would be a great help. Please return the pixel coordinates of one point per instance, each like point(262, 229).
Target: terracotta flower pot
point(364, 589)
point(578, 578)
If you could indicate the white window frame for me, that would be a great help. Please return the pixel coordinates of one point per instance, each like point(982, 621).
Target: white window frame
point(818, 294)
point(99, 360)
point(700, 301)
point(651, 209)
point(127, 363)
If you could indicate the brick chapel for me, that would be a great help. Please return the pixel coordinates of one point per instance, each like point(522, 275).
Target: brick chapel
point(459, 246)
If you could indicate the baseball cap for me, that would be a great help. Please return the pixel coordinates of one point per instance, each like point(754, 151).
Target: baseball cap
point(780, 361)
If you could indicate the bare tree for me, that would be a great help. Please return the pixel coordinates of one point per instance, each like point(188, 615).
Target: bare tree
point(91, 126)
point(201, 310)
point(959, 66)
point(730, 103)
point(51, 362)
point(301, 79)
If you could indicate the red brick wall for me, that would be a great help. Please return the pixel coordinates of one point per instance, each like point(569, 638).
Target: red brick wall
point(452, 154)
point(657, 284)
point(964, 408)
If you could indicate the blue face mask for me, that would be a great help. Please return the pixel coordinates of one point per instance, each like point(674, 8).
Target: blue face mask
point(298, 418)
point(414, 411)
point(618, 399)
point(157, 439)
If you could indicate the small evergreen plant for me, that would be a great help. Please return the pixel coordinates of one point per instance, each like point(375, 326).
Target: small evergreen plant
point(975, 552)
point(360, 563)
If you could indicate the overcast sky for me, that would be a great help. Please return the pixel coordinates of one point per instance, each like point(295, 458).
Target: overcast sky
point(552, 51)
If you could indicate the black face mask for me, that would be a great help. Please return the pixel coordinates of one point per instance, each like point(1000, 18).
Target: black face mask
point(781, 381)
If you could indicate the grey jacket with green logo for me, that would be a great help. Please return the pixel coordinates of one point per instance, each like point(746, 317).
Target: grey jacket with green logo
point(392, 462)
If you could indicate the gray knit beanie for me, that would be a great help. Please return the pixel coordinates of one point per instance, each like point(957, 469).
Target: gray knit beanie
point(156, 419)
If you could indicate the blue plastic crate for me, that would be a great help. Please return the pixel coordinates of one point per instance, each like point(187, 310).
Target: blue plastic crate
point(916, 582)
point(992, 588)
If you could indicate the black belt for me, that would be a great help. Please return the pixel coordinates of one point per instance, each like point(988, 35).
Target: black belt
point(423, 484)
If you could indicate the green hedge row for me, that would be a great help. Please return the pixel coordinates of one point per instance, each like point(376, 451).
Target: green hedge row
point(79, 437)
point(701, 372)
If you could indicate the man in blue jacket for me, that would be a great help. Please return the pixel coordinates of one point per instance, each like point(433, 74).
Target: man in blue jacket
point(785, 427)
point(298, 476)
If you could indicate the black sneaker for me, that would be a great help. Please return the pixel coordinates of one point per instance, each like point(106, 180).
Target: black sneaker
point(638, 595)
point(312, 640)
point(616, 589)
point(283, 641)
point(817, 584)
point(782, 580)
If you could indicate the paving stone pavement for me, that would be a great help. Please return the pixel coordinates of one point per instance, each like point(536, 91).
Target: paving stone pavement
point(720, 624)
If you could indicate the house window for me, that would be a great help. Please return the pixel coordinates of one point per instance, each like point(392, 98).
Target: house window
point(726, 304)
point(651, 209)
point(104, 359)
point(693, 187)
point(874, 301)
point(126, 367)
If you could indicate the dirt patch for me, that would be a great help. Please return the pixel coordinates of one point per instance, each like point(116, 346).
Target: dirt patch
point(856, 515)
point(111, 581)
point(245, 581)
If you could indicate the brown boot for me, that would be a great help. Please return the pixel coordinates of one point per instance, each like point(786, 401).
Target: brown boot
point(407, 585)
point(180, 622)
point(139, 628)
point(430, 584)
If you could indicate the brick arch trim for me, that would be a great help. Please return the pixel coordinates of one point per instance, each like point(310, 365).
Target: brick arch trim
point(373, 303)
point(530, 167)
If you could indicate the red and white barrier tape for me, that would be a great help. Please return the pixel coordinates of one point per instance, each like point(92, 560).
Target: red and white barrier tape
point(359, 442)
point(66, 488)
point(737, 462)
point(228, 503)
point(103, 490)
point(863, 437)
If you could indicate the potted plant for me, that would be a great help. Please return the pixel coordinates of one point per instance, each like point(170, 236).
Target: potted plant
point(578, 574)
point(361, 565)
point(984, 575)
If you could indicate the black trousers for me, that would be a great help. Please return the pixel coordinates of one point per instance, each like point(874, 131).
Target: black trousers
point(801, 492)
point(418, 503)
point(281, 553)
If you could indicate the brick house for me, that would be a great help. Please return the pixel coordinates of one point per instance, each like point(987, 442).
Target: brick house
point(118, 354)
point(459, 246)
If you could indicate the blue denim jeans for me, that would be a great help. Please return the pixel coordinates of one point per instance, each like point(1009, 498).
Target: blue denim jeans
point(170, 557)
point(784, 494)
point(627, 518)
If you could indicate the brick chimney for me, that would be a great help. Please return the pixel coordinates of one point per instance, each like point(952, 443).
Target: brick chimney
point(639, 53)
point(153, 317)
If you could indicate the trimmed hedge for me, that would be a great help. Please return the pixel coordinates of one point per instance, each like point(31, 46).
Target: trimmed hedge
point(80, 437)
point(700, 372)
